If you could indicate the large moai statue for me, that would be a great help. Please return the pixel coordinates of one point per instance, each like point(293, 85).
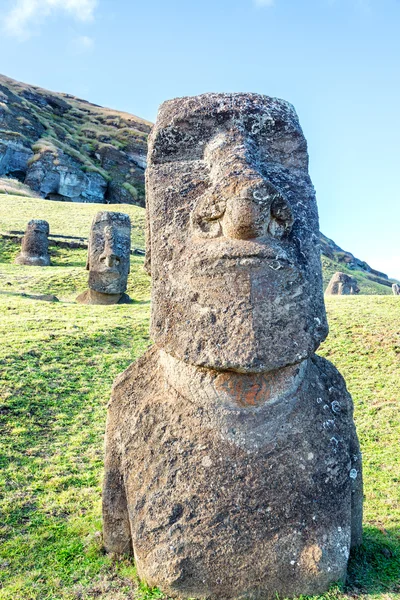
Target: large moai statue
point(342, 284)
point(35, 244)
point(108, 259)
point(232, 467)
point(396, 289)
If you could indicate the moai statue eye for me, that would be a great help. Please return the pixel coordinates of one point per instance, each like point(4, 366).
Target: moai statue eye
point(281, 221)
point(206, 217)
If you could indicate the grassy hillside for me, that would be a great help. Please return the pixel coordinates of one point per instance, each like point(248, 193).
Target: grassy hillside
point(57, 127)
point(367, 286)
point(57, 364)
point(65, 218)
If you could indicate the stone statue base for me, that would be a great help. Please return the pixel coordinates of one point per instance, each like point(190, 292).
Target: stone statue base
point(232, 486)
point(93, 297)
point(33, 261)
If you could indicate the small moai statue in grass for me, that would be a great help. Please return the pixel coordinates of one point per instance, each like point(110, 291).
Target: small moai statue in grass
point(108, 259)
point(35, 244)
point(232, 465)
point(396, 289)
point(342, 284)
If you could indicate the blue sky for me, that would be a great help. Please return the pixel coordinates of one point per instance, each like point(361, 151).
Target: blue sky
point(337, 61)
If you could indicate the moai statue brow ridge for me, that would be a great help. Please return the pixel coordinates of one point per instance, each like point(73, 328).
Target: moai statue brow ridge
point(232, 465)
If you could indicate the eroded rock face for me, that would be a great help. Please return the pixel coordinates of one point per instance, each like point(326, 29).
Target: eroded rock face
point(233, 469)
point(342, 284)
point(396, 289)
point(35, 244)
point(108, 260)
point(63, 179)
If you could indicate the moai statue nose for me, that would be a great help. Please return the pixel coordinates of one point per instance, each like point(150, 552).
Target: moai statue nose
point(110, 256)
point(245, 216)
point(258, 211)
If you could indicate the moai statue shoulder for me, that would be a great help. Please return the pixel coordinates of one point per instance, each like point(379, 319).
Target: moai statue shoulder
point(35, 244)
point(396, 289)
point(232, 465)
point(108, 259)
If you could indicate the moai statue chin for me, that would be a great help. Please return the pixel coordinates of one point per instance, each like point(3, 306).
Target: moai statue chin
point(342, 284)
point(233, 469)
point(35, 244)
point(108, 259)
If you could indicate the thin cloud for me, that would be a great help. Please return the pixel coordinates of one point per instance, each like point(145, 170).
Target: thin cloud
point(22, 18)
point(263, 3)
point(82, 44)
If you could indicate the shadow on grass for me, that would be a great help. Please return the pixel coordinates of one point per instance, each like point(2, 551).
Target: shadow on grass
point(374, 567)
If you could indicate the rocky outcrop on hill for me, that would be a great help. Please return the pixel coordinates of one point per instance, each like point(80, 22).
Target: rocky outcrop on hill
point(67, 149)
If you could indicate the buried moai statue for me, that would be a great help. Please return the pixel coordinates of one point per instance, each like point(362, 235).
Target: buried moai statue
point(342, 284)
point(35, 244)
point(232, 467)
point(108, 259)
point(396, 289)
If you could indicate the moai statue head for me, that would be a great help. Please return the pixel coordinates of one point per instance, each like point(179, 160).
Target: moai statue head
point(396, 289)
point(342, 284)
point(35, 244)
point(233, 236)
point(109, 248)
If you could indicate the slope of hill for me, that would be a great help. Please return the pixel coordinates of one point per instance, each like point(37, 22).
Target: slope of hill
point(66, 148)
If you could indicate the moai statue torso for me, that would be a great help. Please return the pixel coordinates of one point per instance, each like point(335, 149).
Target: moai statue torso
point(233, 469)
point(35, 244)
point(396, 289)
point(342, 284)
point(108, 259)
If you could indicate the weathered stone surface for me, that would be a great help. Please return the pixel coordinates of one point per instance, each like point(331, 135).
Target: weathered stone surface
point(342, 284)
point(234, 229)
point(233, 469)
point(35, 244)
point(42, 297)
point(93, 297)
point(14, 157)
point(63, 179)
point(396, 289)
point(108, 260)
point(232, 486)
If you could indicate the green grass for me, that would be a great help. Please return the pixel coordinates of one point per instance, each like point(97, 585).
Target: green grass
point(65, 218)
point(57, 364)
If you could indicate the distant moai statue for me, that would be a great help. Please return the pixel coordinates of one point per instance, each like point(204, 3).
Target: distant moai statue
point(342, 284)
point(108, 259)
point(396, 289)
point(35, 244)
point(232, 465)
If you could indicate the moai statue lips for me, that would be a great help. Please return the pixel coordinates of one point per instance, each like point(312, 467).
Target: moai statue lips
point(232, 467)
point(108, 260)
point(342, 284)
point(35, 244)
point(233, 234)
